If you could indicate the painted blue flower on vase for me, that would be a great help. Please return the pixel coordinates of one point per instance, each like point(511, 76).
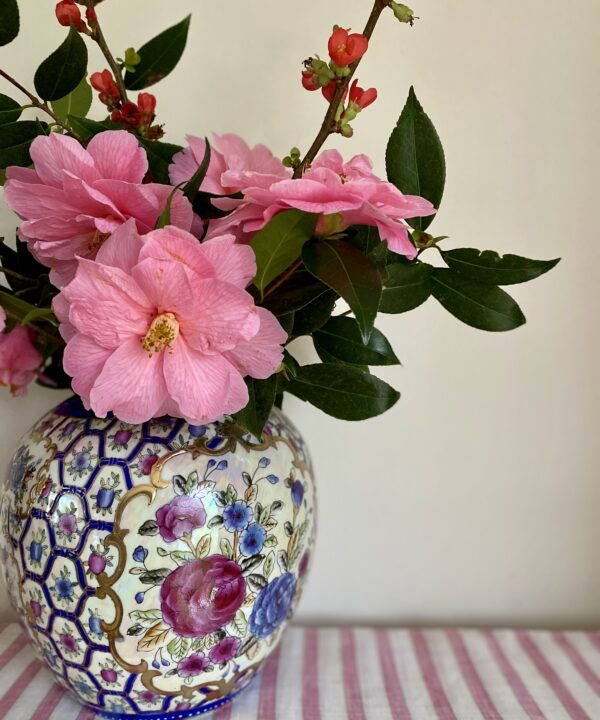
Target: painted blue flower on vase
point(237, 516)
point(253, 539)
point(273, 605)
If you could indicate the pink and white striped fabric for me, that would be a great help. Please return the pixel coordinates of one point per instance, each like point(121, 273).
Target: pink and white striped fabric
point(373, 674)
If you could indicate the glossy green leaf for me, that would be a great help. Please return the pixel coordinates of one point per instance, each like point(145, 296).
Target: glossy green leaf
point(61, 72)
point(406, 287)
point(87, 128)
point(16, 139)
point(279, 244)
point(159, 56)
point(341, 338)
point(415, 159)
point(160, 156)
point(297, 292)
point(342, 391)
point(77, 102)
point(486, 266)
point(261, 400)
point(485, 307)
point(349, 272)
point(10, 110)
point(9, 21)
point(313, 316)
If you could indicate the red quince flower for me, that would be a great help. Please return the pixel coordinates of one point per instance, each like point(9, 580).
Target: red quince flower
point(104, 83)
point(329, 91)
point(345, 48)
point(309, 80)
point(67, 14)
point(362, 98)
point(147, 106)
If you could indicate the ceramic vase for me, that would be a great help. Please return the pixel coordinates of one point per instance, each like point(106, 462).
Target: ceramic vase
point(155, 566)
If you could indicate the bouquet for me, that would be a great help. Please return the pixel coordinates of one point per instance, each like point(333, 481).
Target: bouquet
point(157, 279)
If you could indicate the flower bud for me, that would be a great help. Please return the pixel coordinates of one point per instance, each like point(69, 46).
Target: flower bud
point(104, 83)
point(403, 13)
point(67, 14)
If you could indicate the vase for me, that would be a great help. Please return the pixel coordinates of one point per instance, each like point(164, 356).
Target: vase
point(155, 566)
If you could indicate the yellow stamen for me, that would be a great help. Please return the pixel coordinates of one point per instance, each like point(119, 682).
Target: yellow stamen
point(162, 333)
point(97, 241)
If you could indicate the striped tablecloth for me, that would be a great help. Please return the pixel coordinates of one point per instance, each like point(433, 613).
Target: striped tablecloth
point(373, 674)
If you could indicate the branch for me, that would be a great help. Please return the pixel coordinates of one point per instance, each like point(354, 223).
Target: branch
point(329, 121)
point(98, 37)
point(36, 102)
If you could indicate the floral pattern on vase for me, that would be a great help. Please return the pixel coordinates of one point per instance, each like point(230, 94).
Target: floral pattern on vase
point(155, 566)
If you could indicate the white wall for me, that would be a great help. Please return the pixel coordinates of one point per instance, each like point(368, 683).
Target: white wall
point(476, 499)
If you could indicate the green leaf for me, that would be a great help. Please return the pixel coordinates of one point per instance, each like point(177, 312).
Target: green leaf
point(406, 287)
point(261, 395)
point(191, 188)
point(485, 307)
point(349, 272)
point(226, 548)
point(160, 156)
point(279, 244)
point(10, 110)
point(240, 624)
point(77, 102)
point(178, 647)
point(9, 21)
point(415, 158)
point(486, 266)
point(87, 128)
point(148, 617)
point(341, 338)
point(16, 139)
point(61, 72)
point(342, 391)
point(296, 293)
point(159, 56)
point(314, 315)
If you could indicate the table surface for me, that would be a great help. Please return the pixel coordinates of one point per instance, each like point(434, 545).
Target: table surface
point(372, 674)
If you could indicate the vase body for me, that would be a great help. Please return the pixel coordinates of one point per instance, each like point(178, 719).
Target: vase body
point(155, 566)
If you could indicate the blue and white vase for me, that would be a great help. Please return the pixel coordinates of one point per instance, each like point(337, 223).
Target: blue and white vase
point(155, 566)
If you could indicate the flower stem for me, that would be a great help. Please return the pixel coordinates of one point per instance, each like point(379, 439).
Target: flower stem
point(98, 37)
point(329, 121)
point(37, 103)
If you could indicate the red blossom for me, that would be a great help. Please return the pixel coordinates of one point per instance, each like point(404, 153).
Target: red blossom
point(67, 13)
point(104, 83)
point(329, 91)
point(362, 98)
point(309, 80)
point(345, 48)
point(147, 106)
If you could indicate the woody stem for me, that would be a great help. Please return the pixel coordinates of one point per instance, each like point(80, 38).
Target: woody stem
point(329, 121)
point(98, 37)
point(37, 103)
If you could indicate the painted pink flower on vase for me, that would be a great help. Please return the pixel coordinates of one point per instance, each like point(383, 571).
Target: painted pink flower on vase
point(202, 595)
point(180, 517)
point(342, 194)
point(19, 360)
point(233, 164)
point(168, 319)
point(75, 197)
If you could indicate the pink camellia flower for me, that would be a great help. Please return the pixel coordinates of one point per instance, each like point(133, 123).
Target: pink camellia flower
point(202, 595)
point(232, 163)
point(343, 194)
point(19, 360)
point(165, 327)
point(75, 197)
point(180, 517)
